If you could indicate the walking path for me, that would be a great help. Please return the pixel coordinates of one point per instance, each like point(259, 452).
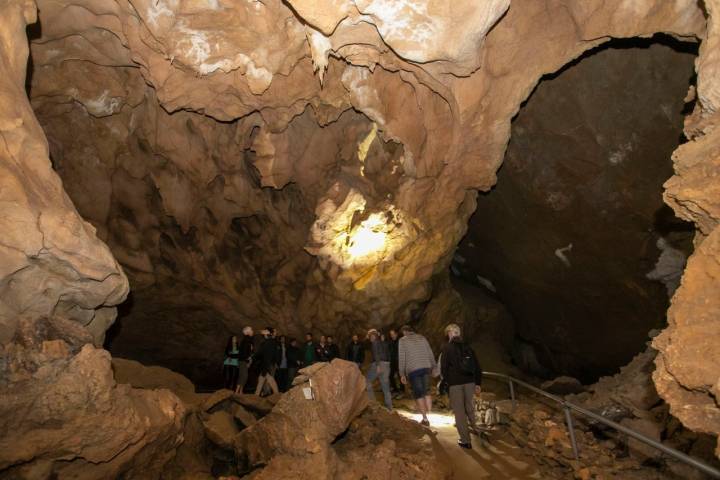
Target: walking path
point(498, 459)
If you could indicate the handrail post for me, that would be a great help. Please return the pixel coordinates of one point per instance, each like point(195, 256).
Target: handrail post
point(512, 393)
point(571, 431)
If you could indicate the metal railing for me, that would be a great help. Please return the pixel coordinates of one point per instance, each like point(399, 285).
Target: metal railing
point(570, 407)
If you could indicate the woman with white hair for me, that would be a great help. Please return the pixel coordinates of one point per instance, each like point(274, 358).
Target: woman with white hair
point(462, 375)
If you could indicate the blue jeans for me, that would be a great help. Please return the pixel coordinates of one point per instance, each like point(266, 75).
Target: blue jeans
point(381, 371)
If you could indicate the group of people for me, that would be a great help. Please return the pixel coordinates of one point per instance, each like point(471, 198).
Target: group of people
point(402, 359)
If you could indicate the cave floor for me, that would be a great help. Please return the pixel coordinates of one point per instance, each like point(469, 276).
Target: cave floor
point(499, 458)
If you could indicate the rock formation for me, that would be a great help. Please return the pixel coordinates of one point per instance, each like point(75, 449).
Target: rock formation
point(310, 164)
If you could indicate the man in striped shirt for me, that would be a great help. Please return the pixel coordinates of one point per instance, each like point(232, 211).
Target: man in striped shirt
point(416, 363)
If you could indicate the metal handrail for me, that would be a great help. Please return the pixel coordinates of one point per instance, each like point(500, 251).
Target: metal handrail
point(568, 407)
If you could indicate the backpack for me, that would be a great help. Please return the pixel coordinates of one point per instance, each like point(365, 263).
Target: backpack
point(468, 364)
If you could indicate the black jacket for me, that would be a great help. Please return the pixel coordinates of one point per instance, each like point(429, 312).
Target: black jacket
point(246, 348)
point(380, 351)
point(267, 354)
point(356, 352)
point(450, 369)
point(395, 351)
point(293, 356)
point(333, 351)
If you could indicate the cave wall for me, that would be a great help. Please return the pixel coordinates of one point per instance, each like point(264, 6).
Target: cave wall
point(569, 233)
point(203, 61)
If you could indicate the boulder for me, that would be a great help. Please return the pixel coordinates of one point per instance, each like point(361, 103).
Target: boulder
point(216, 398)
point(260, 405)
point(243, 416)
point(220, 428)
point(301, 426)
point(152, 377)
point(563, 385)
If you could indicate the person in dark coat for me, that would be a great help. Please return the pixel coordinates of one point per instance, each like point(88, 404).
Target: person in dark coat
point(246, 351)
point(379, 368)
point(356, 352)
point(267, 358)
point(333, 351)
point(321, 350)
point(396, 386)
point(294, 361)
point(462, 376)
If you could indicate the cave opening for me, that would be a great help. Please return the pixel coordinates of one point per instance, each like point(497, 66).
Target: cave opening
point(575, 239)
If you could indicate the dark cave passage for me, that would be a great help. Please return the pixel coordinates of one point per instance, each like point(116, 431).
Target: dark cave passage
point(570, 236)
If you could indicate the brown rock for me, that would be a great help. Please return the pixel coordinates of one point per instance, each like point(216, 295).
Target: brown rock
point(243, 416)
point(300, 426)
point(260, 405)
point(220, 429)
point(151, 378)
point(216, 398)
point(55, 348)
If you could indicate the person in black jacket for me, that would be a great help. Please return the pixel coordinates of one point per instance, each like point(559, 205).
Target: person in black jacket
point(246, 351)
point(294, 361)
point(356, 352)
point(267, 358)
point(462, 375)
point(333, 351)
point(396, 385)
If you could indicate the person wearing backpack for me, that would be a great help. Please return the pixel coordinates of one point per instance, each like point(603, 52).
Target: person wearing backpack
point(462, 375)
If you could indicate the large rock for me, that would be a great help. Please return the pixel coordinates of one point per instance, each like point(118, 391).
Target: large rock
point(301, 426)
point(66, 417)
point(152, 377)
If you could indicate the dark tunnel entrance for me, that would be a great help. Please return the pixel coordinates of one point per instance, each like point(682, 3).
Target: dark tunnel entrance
point(575, 239)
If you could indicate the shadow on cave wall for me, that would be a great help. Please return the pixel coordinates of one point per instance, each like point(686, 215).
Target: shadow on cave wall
point(576, 222)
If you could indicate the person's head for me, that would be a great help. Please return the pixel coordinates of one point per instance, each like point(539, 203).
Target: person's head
point(323, 340)
point(373, 334)
point(265, 332)
point(406, 329)
point(232, 342)
point(248, 331)
point(293, 342)
point(271, 331)
point(393, 334)
point(382, 336)
point(452, 331)
point(329, 339)
point(355, 339)
point(308, 337)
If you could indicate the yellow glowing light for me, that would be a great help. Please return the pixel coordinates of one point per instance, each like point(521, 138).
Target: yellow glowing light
point(368, 237)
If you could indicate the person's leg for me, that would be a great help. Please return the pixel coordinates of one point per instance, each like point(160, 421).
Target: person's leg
point(457, 404)
point(234, 372)
point(428, 397)
point(370, 378)
point(416, 385)
point(242, 377)
point(261, 383)
point(385, 383)
point(393, 382)
point(273, 384)
point(469, 400)
point(292, 371)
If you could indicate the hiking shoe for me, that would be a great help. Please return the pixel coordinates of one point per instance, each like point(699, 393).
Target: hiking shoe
point(467, 446)
point(425, 422)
